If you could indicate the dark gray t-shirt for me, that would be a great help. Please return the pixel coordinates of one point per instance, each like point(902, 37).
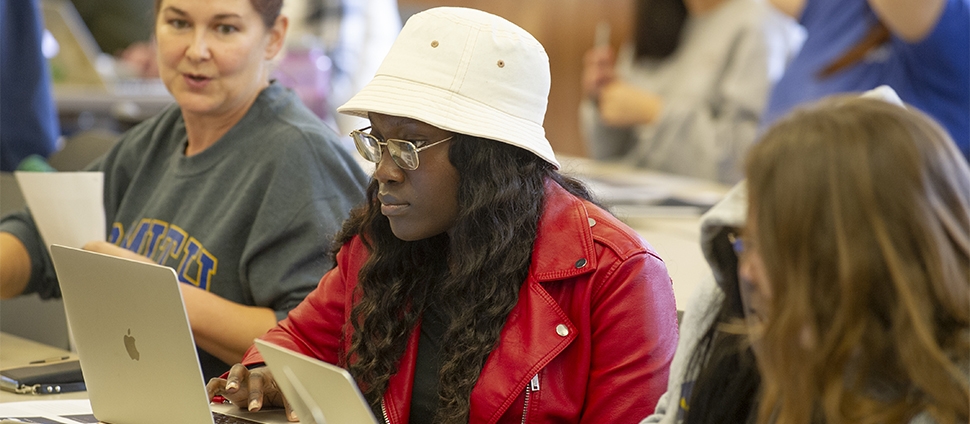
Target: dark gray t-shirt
point(250, 219)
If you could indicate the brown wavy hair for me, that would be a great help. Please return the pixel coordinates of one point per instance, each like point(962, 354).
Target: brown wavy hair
point(479, 270)
point(864, 216)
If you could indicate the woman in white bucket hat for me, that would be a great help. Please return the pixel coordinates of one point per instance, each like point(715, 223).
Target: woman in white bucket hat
point(477, 284)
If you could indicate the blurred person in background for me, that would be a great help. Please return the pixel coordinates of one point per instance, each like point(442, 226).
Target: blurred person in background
point(333, 49)
point(686, 95)
point(28, 118)
point(919, 48)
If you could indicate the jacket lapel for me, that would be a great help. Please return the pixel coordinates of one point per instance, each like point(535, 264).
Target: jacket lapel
point(529, 341)
point(537, 329)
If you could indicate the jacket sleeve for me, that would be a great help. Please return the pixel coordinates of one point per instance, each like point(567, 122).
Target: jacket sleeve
point(42, 280)
point(115, 165)
point(316, 326)
point(634, 321)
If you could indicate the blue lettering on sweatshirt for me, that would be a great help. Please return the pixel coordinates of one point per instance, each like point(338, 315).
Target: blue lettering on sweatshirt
point(167, 244)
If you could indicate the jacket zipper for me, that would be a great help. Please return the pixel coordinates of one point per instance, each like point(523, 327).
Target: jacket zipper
point(533, 386)
point(384, 412)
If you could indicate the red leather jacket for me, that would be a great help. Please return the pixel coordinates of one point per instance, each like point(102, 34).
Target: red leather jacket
point(589, 341)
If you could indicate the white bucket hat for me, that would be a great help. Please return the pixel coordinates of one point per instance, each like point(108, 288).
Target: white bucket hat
point(465, 71)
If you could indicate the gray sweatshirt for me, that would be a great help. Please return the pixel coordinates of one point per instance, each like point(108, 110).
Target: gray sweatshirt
point(250, 219)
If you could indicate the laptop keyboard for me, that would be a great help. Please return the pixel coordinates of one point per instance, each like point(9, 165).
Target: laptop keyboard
point(228, 419)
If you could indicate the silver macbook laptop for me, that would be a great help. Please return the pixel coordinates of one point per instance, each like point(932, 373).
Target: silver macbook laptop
point(133, 338)
point(319, 392)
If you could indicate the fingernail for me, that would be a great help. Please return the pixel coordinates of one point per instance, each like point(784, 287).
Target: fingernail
point(232, 385)
point(253, 405)
point(293, 415)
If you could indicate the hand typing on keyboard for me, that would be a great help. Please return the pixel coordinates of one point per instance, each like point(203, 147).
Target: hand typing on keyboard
point(250, 389)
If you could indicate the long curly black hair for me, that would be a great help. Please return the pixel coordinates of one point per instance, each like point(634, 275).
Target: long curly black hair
point(479, 270)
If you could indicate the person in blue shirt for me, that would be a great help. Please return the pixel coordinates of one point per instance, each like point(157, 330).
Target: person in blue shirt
point(27, 115)
point(919, 48)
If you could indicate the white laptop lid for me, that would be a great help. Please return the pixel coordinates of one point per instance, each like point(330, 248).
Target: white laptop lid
point(133, 338)
point(319, 392)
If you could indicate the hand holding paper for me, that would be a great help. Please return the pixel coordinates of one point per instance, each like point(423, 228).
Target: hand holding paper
point(114, 250)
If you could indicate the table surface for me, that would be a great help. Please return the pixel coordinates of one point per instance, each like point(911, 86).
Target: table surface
point(17, 351)
point(133, 100)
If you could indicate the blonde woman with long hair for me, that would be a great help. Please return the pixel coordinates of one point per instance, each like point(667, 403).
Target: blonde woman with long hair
point(858, 240)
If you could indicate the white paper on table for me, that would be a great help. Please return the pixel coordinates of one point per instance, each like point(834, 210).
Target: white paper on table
point(60, 411)
point(68, 207)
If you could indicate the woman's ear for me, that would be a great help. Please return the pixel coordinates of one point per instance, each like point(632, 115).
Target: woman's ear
point(277, 34)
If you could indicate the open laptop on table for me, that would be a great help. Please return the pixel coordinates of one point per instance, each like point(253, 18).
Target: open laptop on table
point(136, 348)
point(319, 392)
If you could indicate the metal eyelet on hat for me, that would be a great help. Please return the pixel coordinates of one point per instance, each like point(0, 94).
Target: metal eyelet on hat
point(581, 263)
point(434, 43)
point(501, 63)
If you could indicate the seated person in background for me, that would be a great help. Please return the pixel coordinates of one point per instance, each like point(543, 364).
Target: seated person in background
point(237, 186)
point(714, 376)
point(476, 277)
point(919, 48)
point(28, 119)
point(686, 98)
point(858, 244)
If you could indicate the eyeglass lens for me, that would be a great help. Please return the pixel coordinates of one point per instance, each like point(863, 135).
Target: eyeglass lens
point(402, 152)
point(367, 146)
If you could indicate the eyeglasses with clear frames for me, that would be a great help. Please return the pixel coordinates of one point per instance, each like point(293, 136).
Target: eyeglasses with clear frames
point(403, 152)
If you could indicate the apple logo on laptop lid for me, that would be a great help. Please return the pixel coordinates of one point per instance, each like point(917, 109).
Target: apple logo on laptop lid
point(130, 346)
